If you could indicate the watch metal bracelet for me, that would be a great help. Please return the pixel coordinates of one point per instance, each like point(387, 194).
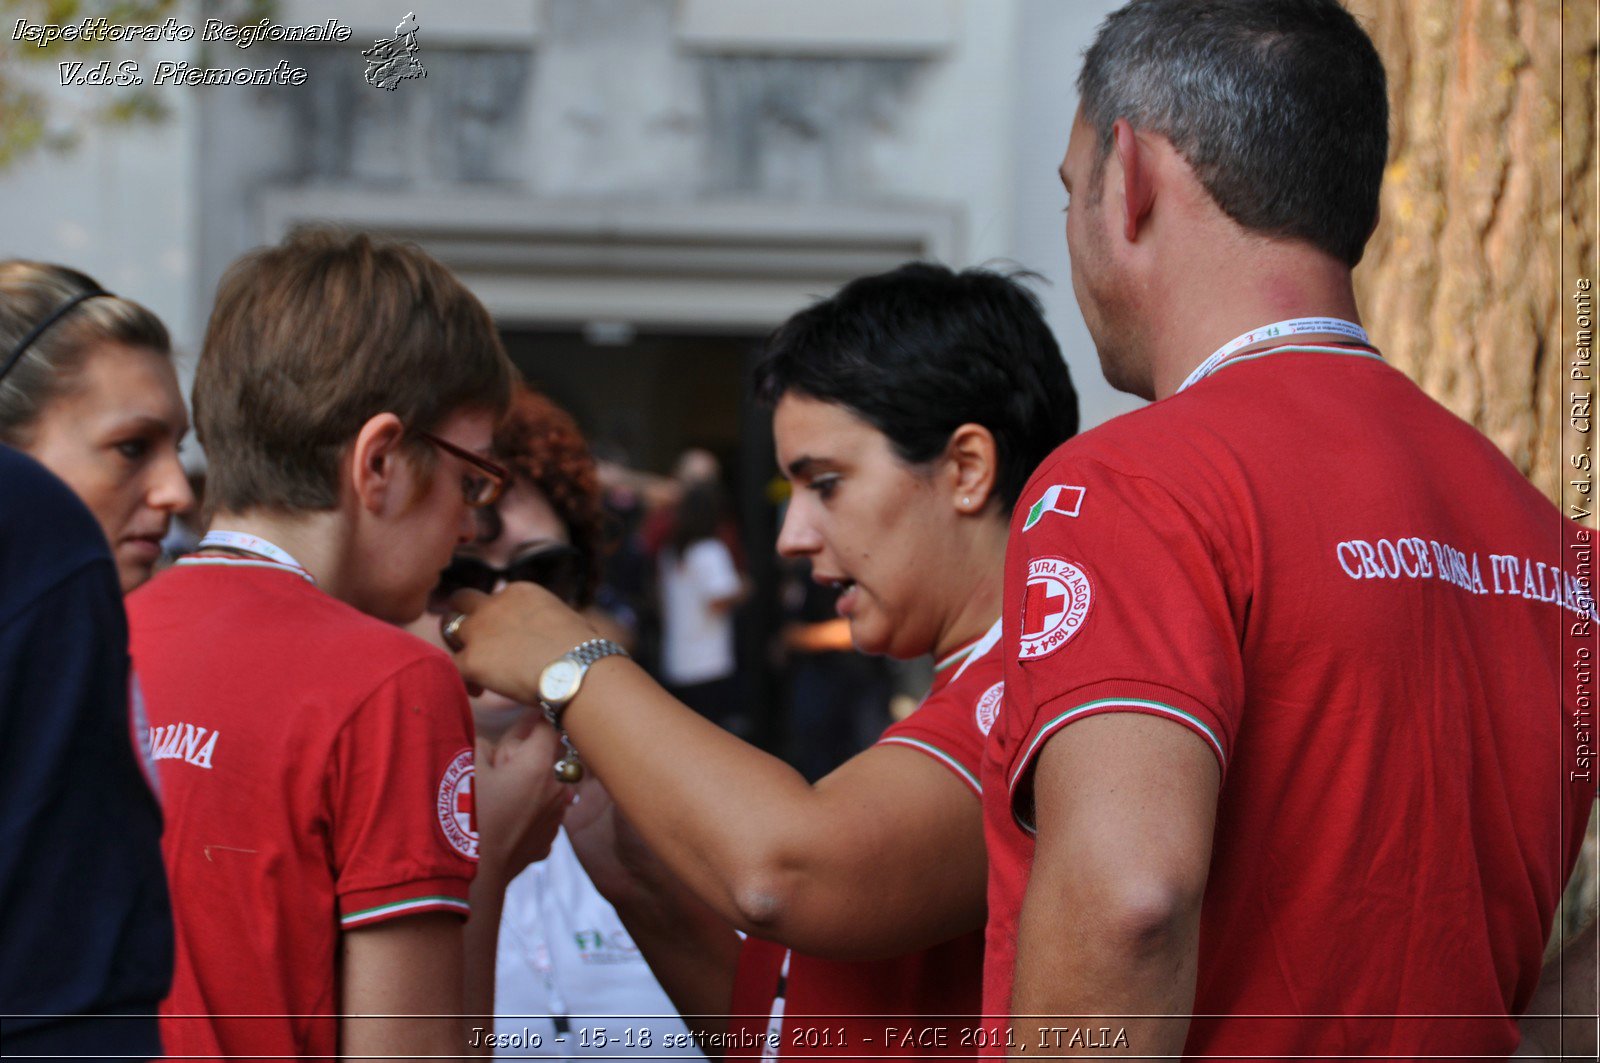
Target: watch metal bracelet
point(583, 654)
point(592, 650)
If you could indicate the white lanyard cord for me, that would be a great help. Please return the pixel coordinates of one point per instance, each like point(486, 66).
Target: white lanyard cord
point(542, 959)
point(772, 1044)
point(1293, 327)
point(249, 544)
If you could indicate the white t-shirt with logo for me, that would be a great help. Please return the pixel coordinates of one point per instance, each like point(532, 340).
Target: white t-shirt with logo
point(564, 952)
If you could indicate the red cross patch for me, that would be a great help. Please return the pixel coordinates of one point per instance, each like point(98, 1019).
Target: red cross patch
point(457, 812)
point(1054, 607)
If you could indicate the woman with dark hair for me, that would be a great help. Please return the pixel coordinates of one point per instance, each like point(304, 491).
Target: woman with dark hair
point(563, 952)
point(910, 409)
point(87, 388)
point(700, 586)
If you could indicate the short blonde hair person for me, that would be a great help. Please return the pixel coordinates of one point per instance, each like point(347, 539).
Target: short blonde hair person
point(309, 339)
point(37, 365)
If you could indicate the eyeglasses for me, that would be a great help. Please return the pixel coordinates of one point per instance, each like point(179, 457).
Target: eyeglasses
point(557, 568)
point(479, 490)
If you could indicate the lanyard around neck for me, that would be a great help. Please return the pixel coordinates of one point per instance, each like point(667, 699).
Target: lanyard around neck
point(772, 1044)
point(243, 542)
point(1293, 327)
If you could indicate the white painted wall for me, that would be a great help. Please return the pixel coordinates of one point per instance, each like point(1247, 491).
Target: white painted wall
point(959, 143)
point(1052, 35)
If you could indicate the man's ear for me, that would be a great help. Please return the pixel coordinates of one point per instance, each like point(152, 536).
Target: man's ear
point(973, 460)
point(378, 474)
point(1138, 177)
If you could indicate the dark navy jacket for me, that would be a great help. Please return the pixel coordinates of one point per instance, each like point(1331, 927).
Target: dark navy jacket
point(85, 926)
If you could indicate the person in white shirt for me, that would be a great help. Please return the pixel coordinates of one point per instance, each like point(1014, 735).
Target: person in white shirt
point(700, 587)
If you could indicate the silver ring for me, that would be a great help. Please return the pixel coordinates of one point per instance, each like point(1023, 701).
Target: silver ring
point(450, 631)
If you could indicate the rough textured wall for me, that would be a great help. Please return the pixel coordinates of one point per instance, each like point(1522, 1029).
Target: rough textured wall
point(1488, 222)
point(1483, 211)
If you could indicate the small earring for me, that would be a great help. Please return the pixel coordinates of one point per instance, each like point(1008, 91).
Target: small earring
point(966, 500)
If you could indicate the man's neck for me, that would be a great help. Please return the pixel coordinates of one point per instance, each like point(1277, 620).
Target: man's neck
point(1263, 286)
point(317, 541)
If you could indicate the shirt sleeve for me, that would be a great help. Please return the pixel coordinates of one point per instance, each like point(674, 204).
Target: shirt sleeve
point(405, 835)
point(711, 570)
point(1128, 600)
point(951, 724)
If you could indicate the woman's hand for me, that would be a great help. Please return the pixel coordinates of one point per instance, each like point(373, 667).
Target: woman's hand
point(520, 803)
point(506, 640)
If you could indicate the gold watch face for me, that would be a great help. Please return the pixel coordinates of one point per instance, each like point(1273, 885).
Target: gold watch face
point(559, 681)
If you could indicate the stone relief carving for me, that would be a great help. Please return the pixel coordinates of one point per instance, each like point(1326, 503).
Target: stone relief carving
point(800, 127)
point(463, 124)
point(607, 104)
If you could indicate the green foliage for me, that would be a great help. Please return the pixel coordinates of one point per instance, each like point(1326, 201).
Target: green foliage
point(32, 118)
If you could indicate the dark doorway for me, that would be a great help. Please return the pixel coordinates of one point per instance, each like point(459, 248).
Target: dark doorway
point(641, 400)
point(648, 396)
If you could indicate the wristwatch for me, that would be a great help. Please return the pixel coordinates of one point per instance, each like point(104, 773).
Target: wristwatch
point(561, 678)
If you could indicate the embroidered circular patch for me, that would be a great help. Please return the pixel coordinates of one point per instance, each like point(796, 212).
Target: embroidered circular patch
point(989, 706)
point(457, 816)
point(1054, 607)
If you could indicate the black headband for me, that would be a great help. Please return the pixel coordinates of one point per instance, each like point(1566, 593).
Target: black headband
point(38, 330)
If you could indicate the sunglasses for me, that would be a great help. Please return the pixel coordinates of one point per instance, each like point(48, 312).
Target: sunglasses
point(559, 569)
point(479, 491)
